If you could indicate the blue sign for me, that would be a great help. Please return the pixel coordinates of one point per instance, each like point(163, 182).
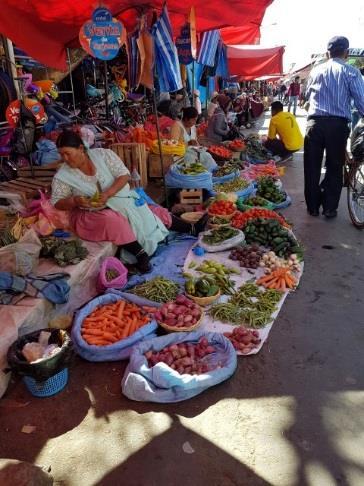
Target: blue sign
point(183, 44)
point(101, 36)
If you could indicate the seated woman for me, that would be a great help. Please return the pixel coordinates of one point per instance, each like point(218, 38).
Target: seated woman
point(185, 132)
point(218, 128)
point(123, 218)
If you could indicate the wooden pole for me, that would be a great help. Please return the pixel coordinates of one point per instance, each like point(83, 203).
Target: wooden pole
point(159, 143)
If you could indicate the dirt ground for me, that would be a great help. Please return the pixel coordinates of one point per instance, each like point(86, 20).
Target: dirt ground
point(290, 416)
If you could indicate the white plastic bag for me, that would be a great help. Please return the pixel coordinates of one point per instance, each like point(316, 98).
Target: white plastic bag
point(21, 257)
point(234, 241)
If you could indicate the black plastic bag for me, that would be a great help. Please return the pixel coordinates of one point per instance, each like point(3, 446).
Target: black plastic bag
point(46, 368)
point(24, 133)
point(357, 141)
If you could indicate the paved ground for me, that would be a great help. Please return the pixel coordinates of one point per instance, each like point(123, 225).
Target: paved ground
point(290, 416)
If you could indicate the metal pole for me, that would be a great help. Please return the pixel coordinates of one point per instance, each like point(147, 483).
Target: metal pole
point(207, 91)
point(159, 143)
point(106, 91)
point(71, 80)
point(193, 82)
point(12, 64)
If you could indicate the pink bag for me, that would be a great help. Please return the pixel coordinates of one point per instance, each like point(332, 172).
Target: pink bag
point(117, 282)
point(59, 219)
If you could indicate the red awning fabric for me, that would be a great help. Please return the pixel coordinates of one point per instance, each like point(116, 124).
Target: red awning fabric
point(45, 28)
point(247, 34)
point(251, 62)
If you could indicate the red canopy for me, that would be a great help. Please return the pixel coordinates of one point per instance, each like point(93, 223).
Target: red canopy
point(251, 62)
point(44, 28)
point(248, 34)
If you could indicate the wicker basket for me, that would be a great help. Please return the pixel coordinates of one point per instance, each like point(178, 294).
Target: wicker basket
point(229, 217)
point(192, 217)
point(181, 329)
point(204, 301)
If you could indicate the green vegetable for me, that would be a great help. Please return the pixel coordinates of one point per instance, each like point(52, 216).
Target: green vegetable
point(267, 189)
point(219, 235)
point(159, 289)
point(235, 185)
point(192, 169)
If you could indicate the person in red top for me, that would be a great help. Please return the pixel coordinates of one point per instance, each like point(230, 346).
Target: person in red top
point(293, 94)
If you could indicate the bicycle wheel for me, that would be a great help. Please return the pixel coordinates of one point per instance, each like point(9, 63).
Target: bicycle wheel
point(355, 194)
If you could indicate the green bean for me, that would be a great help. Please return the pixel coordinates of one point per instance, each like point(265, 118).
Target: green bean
point(159, 289)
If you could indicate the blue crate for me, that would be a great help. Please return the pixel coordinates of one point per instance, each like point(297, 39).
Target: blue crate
point(49, 387)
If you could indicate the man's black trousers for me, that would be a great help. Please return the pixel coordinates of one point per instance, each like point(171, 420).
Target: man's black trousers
point(330, 134)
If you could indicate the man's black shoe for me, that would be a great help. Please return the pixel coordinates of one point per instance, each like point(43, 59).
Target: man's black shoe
point(314, 213)
point(330, 214)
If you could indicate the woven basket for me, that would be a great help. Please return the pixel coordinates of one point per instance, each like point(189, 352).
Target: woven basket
point(181, 329)
point(192, 217)
point(229, 217)
point(204, 301)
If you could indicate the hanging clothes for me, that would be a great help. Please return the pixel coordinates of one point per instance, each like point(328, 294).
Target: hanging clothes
point(133, 60)
point(209, 44)
point(145, 45)
point(167, 63)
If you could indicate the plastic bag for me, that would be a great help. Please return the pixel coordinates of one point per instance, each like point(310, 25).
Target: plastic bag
point(58, 219)
point(162, 384)
point(357, 141)
point(113, 352)
point(45, 368)
point(243, 193)
point(174, 178)
point(46, 152)
point(234, 241)
point(112, 263)
point(22, 257)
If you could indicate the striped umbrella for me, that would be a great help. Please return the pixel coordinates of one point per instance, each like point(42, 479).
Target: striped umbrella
point(166, 57)
point(209, 44)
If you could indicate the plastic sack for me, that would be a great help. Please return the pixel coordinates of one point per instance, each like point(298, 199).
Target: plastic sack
point(243, 193)
point(174, 178)
point(225, 178)
point(112, 263)
point(234, 241)
point(58, 219)
point(200, 154)
point(46, 152)
point(162, 384)
point(169, 148)
point(22, 257)
point(47, 367)
point(287, 202)
point(113, 352)
point(357, 141)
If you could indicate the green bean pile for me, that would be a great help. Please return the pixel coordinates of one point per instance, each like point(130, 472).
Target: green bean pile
point(159, 289)
point(248, 307)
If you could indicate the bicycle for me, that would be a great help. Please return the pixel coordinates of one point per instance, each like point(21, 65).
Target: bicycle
point(354, 181)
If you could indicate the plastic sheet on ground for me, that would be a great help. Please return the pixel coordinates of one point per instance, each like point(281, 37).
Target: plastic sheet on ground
point(163, 384)
point(168, 260)
point(211, 325)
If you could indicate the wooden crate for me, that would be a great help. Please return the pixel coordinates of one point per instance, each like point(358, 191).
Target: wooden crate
point(154, 166)
point(191, 196)
point(133, 155)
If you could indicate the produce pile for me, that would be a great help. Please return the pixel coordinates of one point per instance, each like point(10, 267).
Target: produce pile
point(267, 188)
point(220, 273)
point(222, 208)
point(158, 289)
point(236, 185)
point(249, 256)
point(184, 358)
point(192, 169)
point(271, 234)
point(64, 252)
point(255, 148)
point(280, 279)
point(241, 219)
point(270, 261)
point(254, 201)
point(220, 152)
point(236, 145)
point(111, 323)
point(255, 171)
point(181, 313)
point(226, 169)
point(111, 274)
point(219, 235)
point(248, 307)
point(202, 287)
point(243, 340)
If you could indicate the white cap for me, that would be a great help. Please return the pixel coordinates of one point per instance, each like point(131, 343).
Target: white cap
point(214, 95)
point(196, 92)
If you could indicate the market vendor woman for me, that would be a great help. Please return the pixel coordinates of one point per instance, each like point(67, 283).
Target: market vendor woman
point(120, 216)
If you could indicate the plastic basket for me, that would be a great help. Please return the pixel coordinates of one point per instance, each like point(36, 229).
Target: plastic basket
point(49, 387)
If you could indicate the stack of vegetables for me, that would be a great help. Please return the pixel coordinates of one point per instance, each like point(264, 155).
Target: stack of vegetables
point(267, 188)
point(240, 220)
point(111, 323)
point(220, 153)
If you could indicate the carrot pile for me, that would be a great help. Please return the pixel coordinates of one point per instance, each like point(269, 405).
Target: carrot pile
point(280, 279)
point(110, 323)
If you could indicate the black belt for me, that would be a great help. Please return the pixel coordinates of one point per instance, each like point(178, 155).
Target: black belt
point(328, 117)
